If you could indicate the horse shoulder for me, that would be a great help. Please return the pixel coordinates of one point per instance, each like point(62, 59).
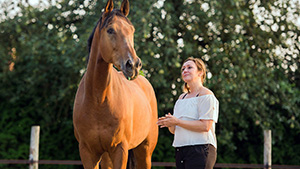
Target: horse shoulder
point(141, 82)
point(144, 84)
point(79, 94)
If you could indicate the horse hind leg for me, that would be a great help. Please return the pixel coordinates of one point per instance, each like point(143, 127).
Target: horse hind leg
point(131, 163)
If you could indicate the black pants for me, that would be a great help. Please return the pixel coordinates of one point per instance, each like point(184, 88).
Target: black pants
point(196, 157)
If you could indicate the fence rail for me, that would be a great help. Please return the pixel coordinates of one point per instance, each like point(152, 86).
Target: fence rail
point(33, 161)
point(155, 164)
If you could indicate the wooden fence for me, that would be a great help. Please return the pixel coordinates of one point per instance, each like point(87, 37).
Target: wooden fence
point(154, 164)
point(34, 161)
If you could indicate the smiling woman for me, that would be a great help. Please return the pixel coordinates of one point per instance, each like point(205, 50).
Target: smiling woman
point(193, 122)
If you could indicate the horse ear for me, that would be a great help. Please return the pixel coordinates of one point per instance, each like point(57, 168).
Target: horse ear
point(125, 7)
point(109, 6)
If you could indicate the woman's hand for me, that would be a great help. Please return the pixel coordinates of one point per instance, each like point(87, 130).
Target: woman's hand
point(196, 125)
point(167, 121)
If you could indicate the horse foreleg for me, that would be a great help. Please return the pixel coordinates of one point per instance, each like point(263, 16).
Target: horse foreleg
point(119, 156)
point(106, 162)
point(143, 152)
point(89, 160)
point(142, 157)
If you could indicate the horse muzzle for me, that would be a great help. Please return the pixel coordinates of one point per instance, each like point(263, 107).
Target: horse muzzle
point(131, 70)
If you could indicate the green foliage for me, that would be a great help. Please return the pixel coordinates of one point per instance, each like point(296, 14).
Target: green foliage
point(40, 88)
point(253, 69)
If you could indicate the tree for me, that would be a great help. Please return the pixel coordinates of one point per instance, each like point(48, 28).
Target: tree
point(39, 89)
point(253, 82)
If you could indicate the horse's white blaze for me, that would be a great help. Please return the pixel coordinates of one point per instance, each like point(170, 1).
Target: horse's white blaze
point(128, 43)
point(130, 57)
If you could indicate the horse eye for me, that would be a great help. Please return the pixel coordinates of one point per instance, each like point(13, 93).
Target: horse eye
point(110, 31)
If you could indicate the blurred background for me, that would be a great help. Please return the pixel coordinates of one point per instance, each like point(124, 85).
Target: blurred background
point(251, 49)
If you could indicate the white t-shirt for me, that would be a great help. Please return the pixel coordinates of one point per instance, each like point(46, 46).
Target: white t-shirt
point(196, 108)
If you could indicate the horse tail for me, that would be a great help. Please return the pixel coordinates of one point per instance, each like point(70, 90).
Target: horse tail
point(131, 160)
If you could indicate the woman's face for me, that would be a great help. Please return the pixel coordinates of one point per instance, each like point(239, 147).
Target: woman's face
point(190, 72)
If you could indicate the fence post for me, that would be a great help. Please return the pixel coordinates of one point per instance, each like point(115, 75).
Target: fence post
point(267, 149)
point(34, 147)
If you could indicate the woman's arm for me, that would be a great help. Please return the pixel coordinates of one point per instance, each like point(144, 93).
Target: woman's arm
point(162, 119)
point(162, 122)
point(197, 126)
point(170, 121)
point(172, 129)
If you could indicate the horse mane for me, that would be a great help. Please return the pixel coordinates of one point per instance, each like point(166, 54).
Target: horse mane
point(108, 19)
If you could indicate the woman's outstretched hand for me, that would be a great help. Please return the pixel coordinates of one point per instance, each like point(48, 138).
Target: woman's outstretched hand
point(167, 121)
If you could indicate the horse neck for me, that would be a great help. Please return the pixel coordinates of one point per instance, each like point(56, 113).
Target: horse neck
point(98, 75)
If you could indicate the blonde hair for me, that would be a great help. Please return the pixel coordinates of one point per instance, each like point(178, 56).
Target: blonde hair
point(200, 66)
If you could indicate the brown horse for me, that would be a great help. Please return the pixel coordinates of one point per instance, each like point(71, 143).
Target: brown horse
point(112, 114)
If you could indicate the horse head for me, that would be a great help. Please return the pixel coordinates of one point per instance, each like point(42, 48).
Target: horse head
point(116, 40)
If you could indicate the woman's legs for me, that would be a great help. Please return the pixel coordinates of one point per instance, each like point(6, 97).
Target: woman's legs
point(196, 157)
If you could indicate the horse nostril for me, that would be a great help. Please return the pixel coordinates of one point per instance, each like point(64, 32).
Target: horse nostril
point(138, 63)
point(129, 64)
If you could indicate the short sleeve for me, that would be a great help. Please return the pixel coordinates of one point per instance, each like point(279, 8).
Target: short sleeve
point(208, 108)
